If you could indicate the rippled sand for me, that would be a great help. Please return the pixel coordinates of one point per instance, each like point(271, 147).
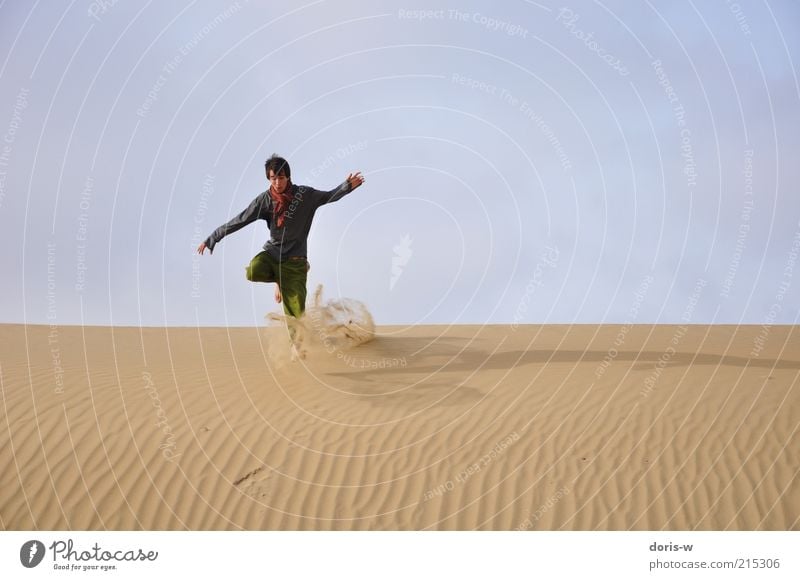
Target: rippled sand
point(426, 427)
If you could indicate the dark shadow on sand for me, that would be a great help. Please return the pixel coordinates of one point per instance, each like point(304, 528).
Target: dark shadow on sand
point(474, 357)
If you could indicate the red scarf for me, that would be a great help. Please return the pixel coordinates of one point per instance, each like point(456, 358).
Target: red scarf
point(280, 203)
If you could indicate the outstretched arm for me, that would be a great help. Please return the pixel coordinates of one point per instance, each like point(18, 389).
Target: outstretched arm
point(353, 181)
point(250, 214)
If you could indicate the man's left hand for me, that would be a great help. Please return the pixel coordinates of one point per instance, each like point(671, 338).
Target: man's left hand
point(355, 180)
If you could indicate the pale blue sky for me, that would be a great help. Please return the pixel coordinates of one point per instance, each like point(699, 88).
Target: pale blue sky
point(579, 162)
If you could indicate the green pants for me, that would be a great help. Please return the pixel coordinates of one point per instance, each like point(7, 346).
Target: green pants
point(290, 276)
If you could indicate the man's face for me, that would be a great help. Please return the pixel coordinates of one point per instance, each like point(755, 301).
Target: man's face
point(277, 182)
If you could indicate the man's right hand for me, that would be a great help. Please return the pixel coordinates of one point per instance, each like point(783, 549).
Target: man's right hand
point(202, 248)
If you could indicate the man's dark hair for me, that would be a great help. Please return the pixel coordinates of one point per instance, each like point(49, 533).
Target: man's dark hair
point(278, 165)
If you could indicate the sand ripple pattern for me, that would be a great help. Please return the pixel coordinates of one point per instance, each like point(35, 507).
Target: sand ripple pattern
point(468, 427)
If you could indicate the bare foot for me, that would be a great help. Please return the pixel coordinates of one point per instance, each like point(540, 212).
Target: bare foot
point(297, 353)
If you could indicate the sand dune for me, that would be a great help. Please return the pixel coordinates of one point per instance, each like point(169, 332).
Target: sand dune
point(427, 427)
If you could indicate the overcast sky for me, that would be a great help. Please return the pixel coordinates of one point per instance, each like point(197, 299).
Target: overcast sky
point(525, 162)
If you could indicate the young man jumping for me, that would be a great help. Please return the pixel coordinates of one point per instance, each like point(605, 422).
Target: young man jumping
point(288, 210)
